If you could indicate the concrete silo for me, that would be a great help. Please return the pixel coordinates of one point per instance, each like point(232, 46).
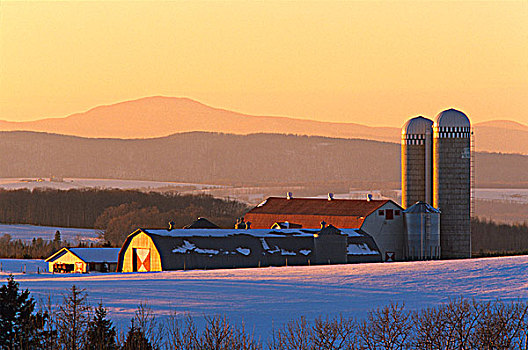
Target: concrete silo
point(417, 161)
point(422, 232)
point(452, 181)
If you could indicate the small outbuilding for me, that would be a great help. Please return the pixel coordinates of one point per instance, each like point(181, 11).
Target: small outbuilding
point(83, 260)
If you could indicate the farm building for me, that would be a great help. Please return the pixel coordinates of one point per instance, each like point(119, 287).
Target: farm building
point(83, 260)
point(161, 249)
point(381, 219)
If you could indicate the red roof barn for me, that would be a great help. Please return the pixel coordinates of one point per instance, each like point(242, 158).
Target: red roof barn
point(309, 212)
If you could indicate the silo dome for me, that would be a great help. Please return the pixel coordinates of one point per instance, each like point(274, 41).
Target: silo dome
point(418, 125)
point(451, 118)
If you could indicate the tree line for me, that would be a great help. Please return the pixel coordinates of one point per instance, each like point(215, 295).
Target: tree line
point(77, 325)
point(100, 208)
point(491, 238)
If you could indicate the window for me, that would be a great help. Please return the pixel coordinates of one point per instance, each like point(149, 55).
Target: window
point(381, 212)
point(389, 214)
point(397, 212)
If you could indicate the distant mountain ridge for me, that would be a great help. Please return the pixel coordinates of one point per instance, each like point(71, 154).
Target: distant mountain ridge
point(214, 158)
point(162, 116)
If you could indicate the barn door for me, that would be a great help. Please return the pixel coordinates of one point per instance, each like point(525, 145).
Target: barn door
point(143, 259)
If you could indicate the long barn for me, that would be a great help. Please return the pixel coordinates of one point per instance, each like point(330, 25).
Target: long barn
point(180, 249)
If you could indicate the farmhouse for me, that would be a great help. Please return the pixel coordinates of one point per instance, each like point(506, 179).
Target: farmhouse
point(83, 260)
point(380, 219)
point(180, 249)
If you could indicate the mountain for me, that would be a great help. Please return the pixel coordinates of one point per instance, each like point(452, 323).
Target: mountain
point(162, 116)
point(255, 159)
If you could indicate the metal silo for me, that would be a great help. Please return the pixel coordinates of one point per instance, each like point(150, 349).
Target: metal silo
point(416, 161)
point(422, 232)
point(452, 181)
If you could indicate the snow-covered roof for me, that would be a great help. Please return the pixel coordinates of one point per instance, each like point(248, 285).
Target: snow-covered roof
point(96, 254)
point(261, 233)
point(89, 255)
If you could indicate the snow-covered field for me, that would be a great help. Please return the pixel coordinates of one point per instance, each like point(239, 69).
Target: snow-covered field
point(67, 184)
point(265, 296)
point(516, 195)
point(28, 232)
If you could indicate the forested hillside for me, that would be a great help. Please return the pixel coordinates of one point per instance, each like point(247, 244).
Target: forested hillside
point(227, 159)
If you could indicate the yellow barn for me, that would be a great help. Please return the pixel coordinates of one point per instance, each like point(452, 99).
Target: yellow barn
point(82, 260)
point(139, 253)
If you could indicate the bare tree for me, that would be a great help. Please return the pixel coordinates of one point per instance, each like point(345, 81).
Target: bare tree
point(386, 328)
point(72, 318)
point(217, 334)
point(338, 333)
point(294, 335)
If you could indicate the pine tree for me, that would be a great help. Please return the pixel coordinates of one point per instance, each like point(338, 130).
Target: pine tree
point(20, 326)
point(101, 334)
point(73, 317)
point(136, 339)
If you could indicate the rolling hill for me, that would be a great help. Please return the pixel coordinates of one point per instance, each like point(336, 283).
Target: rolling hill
point(162, 116)
point(201, 157)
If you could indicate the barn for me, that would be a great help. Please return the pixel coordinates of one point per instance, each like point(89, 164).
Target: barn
point(83, 260)
point(381, 219)
point(181, 249)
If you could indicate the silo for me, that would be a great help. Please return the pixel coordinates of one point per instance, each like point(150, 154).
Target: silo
point(452, 182)
point(422, 232)
point(416, 161)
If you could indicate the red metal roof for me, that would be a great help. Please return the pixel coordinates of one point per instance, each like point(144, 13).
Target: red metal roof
point(318, 206)
point(309, 212)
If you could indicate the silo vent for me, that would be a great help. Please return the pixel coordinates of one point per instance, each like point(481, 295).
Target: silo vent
point(323, 224)
point(330, 196)
point(369, 197)
point(289, 195)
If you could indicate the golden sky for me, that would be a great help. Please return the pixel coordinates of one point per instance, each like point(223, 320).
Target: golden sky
point(367, 62)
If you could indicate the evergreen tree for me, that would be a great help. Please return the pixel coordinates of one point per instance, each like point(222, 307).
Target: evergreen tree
point(20, 326)
point(136, 339)
point(57, 238)
point(101, 334)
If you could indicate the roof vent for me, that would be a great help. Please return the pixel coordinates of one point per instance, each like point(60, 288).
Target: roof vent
point(323, 224)
point(369, 197)
point(171, 226)
point(330, 196)
point(289, 195)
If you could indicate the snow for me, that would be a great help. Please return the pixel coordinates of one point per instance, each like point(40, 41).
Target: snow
point(262, 203)
point(28, 232)
point(96, 254)
point(360, 249)
point(207, 251)
point(186, 247)
point(305, 251)
point(264, 244)
point(72, 183)
point(243, 251)
point(231, 232)
point(17, 266)
point(287, 252)
point(261, 233)
point(262, 297)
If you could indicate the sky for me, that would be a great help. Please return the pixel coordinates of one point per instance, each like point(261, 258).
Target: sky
point(374, 63)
